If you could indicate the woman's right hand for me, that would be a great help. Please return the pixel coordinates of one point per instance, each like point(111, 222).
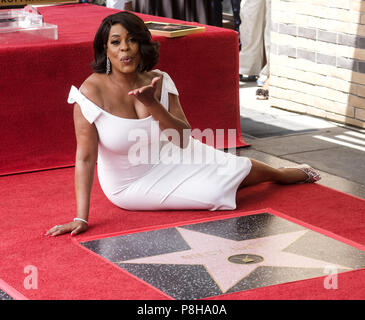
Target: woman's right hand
point(146, 94)
point(74, 227)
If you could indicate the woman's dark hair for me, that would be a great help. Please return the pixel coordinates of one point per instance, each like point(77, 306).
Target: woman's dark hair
point(136, 27)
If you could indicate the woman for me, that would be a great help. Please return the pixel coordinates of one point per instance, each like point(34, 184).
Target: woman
point(122, 99)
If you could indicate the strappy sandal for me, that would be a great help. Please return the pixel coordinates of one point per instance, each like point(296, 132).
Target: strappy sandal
point(312, 175)
point(262, 94)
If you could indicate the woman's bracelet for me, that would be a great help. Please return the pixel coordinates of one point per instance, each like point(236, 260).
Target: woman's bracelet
point(79, 219)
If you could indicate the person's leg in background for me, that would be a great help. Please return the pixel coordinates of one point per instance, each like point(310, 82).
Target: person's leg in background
point(265, 72)
point(264, 79)
point(252, 14)
point(236, 17)
point(119, 4)
point(217, 12)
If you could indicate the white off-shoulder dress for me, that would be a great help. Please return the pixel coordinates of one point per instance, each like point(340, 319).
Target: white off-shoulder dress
point(139, 169)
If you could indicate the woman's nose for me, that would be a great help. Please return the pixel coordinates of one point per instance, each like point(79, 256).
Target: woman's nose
point(124, 46)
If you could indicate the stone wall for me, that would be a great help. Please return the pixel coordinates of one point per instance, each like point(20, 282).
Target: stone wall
point(318, 58)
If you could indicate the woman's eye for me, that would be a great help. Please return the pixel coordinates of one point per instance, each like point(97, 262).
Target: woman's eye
point(132, 40)
point(115, 42)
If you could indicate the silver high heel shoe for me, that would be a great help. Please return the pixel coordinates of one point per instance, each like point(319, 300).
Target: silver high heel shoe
point(312, 175)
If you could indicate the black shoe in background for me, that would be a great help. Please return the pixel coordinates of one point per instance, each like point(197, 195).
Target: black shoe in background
point(248, 78)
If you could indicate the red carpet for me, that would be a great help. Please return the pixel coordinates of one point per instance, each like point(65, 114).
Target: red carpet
point(33, 202)
point(34, 112)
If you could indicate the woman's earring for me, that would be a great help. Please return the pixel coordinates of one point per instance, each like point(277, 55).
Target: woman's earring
point(107, 65)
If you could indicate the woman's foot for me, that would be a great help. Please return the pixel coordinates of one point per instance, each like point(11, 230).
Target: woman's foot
point(312, 175)
point(304, 174)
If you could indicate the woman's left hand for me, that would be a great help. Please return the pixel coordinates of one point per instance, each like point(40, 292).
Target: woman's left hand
point(146, 94)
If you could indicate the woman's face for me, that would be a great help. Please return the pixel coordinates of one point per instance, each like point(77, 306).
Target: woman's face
point(122, 50)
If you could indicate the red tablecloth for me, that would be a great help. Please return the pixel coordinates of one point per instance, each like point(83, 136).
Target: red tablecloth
point(36, 124)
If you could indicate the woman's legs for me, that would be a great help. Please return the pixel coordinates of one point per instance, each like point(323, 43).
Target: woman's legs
point(261, 172)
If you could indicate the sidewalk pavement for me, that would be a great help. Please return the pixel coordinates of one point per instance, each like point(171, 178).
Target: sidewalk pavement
point(282, 138)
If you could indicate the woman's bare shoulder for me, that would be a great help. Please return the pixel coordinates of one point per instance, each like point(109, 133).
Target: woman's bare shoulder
point(92, 88)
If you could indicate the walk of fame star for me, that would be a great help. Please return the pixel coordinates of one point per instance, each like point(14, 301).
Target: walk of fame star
point(213, 253)
point(227, 255)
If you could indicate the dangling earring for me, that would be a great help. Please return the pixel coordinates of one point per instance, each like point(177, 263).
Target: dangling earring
point(107, 65)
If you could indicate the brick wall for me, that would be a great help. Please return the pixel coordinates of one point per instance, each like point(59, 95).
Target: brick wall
point(318, 58)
